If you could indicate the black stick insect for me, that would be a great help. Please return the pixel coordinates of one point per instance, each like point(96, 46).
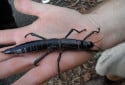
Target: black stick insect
point(53, 44)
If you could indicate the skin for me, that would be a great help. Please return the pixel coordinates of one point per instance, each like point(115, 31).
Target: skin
point(55, 22)
point(114, 78)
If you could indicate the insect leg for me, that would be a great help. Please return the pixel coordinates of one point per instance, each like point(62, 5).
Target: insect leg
point(41, 57)
point(72, 31)
point(58, 64)
point(92, 33)
point(92, 50)
point(36, 35)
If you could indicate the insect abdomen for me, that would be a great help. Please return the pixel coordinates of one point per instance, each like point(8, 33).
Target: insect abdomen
point(27, 47)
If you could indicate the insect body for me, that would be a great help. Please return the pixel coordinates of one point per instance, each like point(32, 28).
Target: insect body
point(53, 44)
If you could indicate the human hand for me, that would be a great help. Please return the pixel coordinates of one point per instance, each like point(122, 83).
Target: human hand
point(52, 23)
point(112, 58)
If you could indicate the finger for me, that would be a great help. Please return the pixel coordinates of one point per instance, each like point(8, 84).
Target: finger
point(31, 8)
point(26, 6)
point(14, 36)
point(11, 36)
point(48, 68)
point(15, 65)
point(6, 37)
point(4, 57)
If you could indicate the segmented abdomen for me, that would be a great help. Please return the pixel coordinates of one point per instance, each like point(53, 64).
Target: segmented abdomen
point(27, 47)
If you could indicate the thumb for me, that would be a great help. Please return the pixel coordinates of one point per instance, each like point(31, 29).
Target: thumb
point(31, 8)
point(25, 6)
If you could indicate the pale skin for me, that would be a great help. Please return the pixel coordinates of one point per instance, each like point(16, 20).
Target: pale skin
point(55, 22)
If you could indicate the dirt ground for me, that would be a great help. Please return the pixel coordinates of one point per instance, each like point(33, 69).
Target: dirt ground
point(80, 5)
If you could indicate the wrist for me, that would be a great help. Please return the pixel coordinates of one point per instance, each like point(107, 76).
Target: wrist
point(110, 18)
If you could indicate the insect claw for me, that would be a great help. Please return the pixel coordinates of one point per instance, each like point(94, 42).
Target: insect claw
point(59, 76)
point(35, 63)
point(27, 35)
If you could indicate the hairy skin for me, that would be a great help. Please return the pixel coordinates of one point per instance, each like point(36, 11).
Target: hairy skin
point(55, 23)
